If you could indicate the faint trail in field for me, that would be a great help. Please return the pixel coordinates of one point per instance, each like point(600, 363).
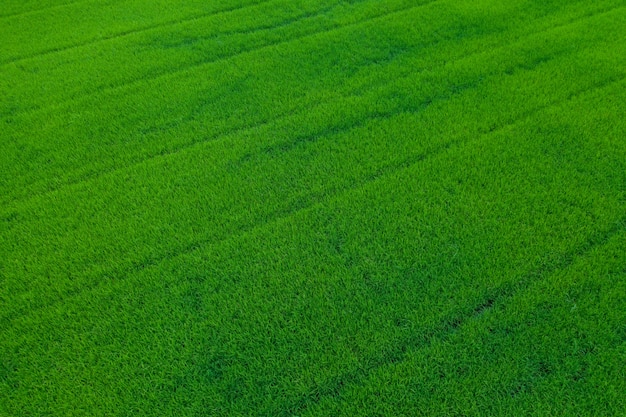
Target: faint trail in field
point(132, 82)
point(44, 9)
point(311, 201)
point(131, 32)
point(199, 17)
point(447, 327)
point(279, 117)
point(164, 74)
point(185, 69)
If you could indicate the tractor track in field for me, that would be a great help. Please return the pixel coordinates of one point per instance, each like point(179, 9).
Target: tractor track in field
point(255, 125)
point(195, 18)
point(127, 84)
point(123, 273)
point(301, 208)
point(158, 75)
point(128, 32)
point(399, 351)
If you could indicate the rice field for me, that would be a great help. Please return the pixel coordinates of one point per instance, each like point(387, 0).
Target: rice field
point(312, 208)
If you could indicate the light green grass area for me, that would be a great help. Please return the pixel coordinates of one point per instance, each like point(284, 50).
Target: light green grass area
point(312, 208)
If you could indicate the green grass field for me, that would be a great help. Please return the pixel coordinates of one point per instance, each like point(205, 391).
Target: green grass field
point(313, 208)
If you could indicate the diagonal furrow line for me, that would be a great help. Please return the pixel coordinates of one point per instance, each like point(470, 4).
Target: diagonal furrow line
point(410, 161)
point(160, 74)
point(193, 143)
point(268, 27)
point(132, 32)
point(206, 15)
point(279, 117)
point(162, 154)
point(447, 327)
point(298, 207)
point(43, 9)
point(349, 125)
point(164, 74)
point(156, 75)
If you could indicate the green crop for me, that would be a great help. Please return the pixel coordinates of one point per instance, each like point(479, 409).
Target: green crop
point(312, 208)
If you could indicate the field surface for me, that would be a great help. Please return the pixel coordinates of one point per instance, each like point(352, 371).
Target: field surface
point(312, 208)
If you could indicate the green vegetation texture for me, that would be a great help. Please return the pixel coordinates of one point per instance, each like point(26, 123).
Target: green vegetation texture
point(312, 208)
